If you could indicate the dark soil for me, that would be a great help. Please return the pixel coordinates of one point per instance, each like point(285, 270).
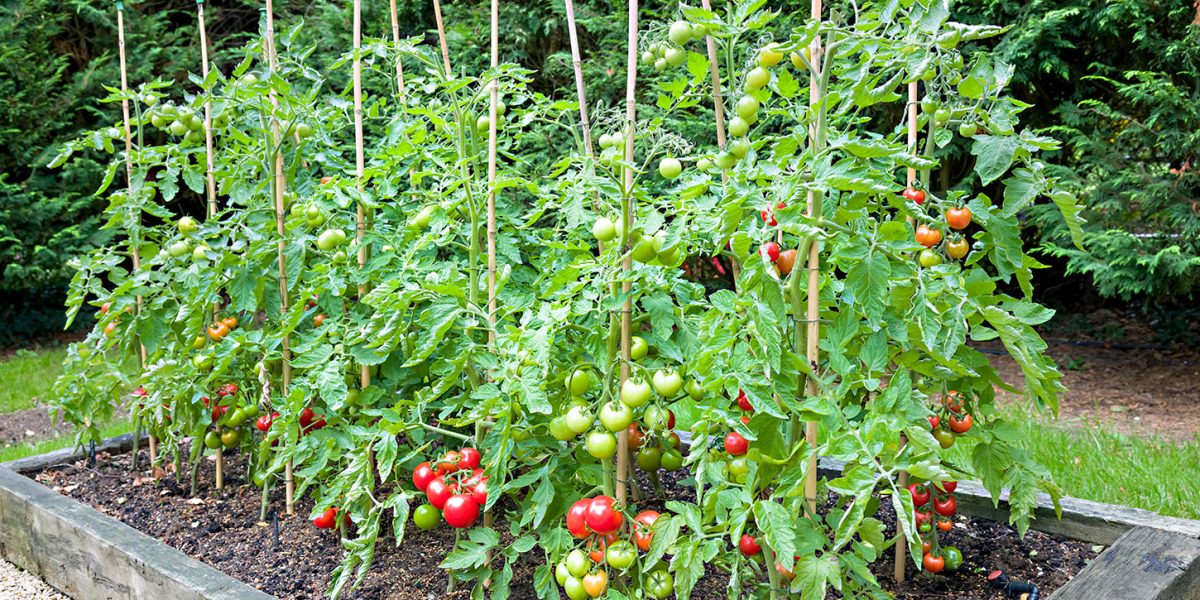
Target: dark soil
point(29, 425)
point(224, 532)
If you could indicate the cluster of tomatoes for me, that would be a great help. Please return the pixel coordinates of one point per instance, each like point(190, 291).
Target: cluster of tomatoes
point(956, 245)
point(229, 412)
point(216, 332)
point(934, 508)
point(952, 419)
point(736, 444)
point(455, 487)
point(601, 528)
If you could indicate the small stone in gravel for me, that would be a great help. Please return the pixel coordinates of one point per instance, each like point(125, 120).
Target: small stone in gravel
point(16, 584)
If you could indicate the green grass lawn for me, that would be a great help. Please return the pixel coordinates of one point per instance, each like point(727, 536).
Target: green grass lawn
point(44, 446)
point(28, 375)
point(1100, 464)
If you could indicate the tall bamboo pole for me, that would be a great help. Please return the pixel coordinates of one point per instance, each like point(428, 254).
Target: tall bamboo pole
point(714, 71)
point(359, 163)
point(812, 352)
point(493, 124)
point(280, 188)
point(577, 65)
point(396, 39)
point(137, 261)
point(627, 225)
point(441, 27)
point(901, 558)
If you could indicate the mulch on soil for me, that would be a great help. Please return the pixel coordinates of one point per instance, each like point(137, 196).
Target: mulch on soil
point(224, 532)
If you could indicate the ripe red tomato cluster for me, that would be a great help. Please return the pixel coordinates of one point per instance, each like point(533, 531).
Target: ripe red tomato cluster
point(309, 421)
point(915, 195)
point(455, 485)
point(598, 523)
point(744, 404)
point(264, 422)
point(934, 507)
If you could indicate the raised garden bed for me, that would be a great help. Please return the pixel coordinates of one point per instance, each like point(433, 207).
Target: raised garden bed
point(224, 534)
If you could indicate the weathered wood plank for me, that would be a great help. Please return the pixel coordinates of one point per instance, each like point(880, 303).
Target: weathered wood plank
point(88, 555)
point(1083, 520)
point(1144, 564)
point(113, 445)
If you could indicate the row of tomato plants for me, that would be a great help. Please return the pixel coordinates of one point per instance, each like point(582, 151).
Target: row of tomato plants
point(898, 303)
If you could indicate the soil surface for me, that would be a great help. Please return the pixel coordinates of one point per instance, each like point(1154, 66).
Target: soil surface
point(29, 425)
point(224, 531)
point(1134, 383)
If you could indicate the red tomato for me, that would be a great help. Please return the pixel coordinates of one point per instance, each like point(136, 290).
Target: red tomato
point(470, 458)
point(945, 524)
point(920, 494)
point(577, 519)
point(635, 437)
point(770, 251)
point(438, 492)
point(958, 217)
point(306, 417)
point(948, 486)
point(461, 511)
point(642, 529)
point(748, 545)
point(326, 519)
point(422, 475)
point(744, 402)
point(928, 237)
point(736, 444)
point(923, 517)
point(264, 422)
point(480, 492)
point(933, 564)
point(960, 424)
point(934, 421)
point(945, 506)
point(915, 195)
point(745, 420)
point(601, 517)
point(449, 462)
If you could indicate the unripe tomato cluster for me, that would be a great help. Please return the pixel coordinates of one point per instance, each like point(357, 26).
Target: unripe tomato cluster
point(604, 535)
point(455, 485)
point(934, 507)
point(229, 412)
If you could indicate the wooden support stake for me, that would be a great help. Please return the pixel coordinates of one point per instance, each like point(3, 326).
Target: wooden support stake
point(399, 63)
point(901, 558)
point(280, 231)
point(133, 241)
point(441, 28)
point(493, 118)
point(719, 111)
point(812, 352)
point(628, 211)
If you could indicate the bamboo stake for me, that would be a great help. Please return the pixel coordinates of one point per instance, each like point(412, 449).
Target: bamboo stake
point(901, 558)
point(359, 162)
point(399, 63)
point(577, 65)
point(437, 17)
point(211, 187)
point(719, 110)
point(280, 187)
point(493, 120)
point(137, 261)
point(812, 351)
point(627, 220)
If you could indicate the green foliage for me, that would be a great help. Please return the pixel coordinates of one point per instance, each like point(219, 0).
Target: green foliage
point(1122, 82)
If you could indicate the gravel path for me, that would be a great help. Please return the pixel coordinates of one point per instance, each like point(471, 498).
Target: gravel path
point(16, 584)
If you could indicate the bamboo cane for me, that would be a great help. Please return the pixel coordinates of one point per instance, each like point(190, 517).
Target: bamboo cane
point(211, 186)
point(901, 558)
point(577, 65)
point(627, 220)
point(359, 162)
point(710, 45)
point(399, 63)
point(493, 119)
point(280, 186)
point(441, 28)
point(812, 352)
point(137, 261)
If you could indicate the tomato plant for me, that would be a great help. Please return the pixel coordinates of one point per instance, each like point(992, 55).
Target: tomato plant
point(383, 362)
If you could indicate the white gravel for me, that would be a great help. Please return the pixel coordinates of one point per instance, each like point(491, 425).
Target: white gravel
point(16, 584)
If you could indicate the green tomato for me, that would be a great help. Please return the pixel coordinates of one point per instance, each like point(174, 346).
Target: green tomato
point(601, 444)
point(427, 517)
point(704, 164)
point(338, 258)
point(667, 383)
point(739, 467)
point(669, 168)
point(694, 389)
point(672, 459)
point(649, 459)
point(726, 160)
point(635, 393)
point(660, 584)
point(615, 416)
point(212, 440)
point(230, 438)
point(561, 573)
point(644, 251)
point(314, 215)
point(929, 106)
point(238, 417)
point(747, 108)
point(929, 258)
point(179, 248)
point(638, 348)
point(577, 563)
point(579, 419)
point(158, 120)
point(676, 56)
point(187, 225)
point(178, 128)
point(739, 147)
point(203, 362)
point(199, 254)
point(328, 240)
point(421, 219)
point(680, 32)
point(304, 130)
point(660, 65)
point(604, 229)
point(757, 78)
point(769, 55)
point(953, 556)
point(483, 124)
point(739, 127)
point(559, 429)
point(620, 554)
point(671, 256)
point(942, 116)
point(968, 129)
point(578, 382)
point(574, 588)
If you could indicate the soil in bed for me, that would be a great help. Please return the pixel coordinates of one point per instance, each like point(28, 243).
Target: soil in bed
point(224, 531)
